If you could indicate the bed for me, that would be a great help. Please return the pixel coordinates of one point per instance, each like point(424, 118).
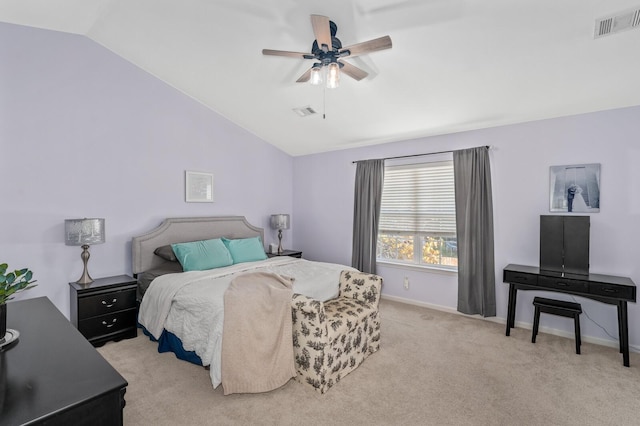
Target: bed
point(184, 311)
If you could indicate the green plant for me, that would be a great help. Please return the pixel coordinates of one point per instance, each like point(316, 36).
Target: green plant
point(14, 282)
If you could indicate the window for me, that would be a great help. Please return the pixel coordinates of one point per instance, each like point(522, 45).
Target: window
point(418, 216)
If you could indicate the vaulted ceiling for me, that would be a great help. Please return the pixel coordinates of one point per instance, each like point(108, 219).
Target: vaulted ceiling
point(455, 65)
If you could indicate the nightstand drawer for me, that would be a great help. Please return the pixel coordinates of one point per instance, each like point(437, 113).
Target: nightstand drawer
point(105, 303)
point(107, 324)
point(564, 284)
point(520, 278)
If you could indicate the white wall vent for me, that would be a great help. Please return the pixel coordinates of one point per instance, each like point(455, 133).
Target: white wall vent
point(617, 23)
point(304, 111)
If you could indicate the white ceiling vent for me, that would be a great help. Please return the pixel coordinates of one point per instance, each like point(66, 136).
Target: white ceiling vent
point(617, 23)
point(305, 111)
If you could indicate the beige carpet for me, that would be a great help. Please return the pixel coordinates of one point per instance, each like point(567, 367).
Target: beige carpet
point(433, 368)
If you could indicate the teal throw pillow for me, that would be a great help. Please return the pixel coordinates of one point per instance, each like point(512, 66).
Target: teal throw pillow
point(202, 255)
point(245, 249)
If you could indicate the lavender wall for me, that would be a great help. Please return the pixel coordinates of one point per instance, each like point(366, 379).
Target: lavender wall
point(84, 133)
point(520, 160)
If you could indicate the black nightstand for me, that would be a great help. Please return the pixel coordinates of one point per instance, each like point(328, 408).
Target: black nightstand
point(105, 309)
point(290, 253)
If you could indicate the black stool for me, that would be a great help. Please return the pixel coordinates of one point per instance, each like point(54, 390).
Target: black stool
point(557, 307)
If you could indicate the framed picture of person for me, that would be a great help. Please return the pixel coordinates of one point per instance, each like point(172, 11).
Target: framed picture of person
point(575, 188)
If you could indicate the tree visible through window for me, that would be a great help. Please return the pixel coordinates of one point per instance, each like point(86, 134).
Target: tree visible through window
point(418, 217)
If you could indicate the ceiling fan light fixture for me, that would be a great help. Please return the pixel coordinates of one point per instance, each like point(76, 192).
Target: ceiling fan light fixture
point(316, 76)
point(333, 75)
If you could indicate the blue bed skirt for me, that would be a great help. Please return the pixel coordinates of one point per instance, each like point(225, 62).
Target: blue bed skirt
point(169, 342)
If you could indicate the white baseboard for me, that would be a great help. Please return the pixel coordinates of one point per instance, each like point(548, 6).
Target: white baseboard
point(519, 324)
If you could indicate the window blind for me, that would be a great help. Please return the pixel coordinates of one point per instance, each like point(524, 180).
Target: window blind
point(419, 198)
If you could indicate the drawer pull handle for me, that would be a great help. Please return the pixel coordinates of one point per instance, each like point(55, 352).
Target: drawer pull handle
point(562, 284)
point(112, 323)
point(108, 305)
point(609, 290)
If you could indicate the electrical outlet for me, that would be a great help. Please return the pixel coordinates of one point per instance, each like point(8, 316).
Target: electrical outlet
point(406, 283)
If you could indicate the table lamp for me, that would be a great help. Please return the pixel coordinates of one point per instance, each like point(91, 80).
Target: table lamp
point(280, 222)
point(84, 232)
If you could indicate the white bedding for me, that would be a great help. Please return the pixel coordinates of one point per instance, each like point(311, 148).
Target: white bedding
point(191, 304)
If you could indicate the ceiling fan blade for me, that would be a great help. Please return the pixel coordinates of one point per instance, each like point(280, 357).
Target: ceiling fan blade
point(287, 53)
point(305, 77)
point(365, 47)
point(353, 71)
point(322, 30)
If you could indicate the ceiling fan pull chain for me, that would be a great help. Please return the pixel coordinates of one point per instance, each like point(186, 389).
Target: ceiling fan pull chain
point(324, 103)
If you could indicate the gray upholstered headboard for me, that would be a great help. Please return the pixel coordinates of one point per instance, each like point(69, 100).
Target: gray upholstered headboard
point(185, 229)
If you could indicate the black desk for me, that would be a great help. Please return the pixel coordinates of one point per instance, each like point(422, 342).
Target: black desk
point(52, 375)
point(603, 288)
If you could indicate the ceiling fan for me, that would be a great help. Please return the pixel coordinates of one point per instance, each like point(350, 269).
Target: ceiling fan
point(327, 50)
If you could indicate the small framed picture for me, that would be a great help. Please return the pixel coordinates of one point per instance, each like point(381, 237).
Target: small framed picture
point(198, 187)
point(574, 188)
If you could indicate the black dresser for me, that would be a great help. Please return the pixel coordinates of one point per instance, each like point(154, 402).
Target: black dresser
point(52, 375)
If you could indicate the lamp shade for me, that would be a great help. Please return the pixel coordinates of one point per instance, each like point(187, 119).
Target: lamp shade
point(333, 75)
point(316, 76)
point(280, 221)
point(79, 232)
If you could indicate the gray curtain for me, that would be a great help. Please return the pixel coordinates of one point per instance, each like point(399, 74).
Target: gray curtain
point(474, 228)
point(366, 214)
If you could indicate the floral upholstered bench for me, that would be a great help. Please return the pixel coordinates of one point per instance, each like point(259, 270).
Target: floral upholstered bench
point(331, 339)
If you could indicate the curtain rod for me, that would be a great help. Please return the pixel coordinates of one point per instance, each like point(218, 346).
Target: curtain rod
point(419, 155)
